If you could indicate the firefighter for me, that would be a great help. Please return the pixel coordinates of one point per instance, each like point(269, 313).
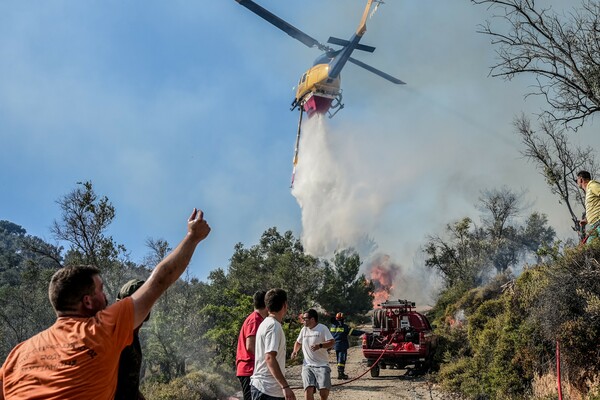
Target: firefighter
point(340, 332)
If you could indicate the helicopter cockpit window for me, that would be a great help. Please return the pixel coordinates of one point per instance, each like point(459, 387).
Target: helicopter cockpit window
point(303, 79)
point(322, 59)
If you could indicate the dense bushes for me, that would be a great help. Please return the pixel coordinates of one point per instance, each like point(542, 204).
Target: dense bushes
point(510, 329)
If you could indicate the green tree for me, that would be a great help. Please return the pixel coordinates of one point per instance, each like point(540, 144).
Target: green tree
point(24, 276)
point(499, 208)
point(84, 220)
point(343, 288)
point(277, 261)
point(225, 320)
point(170, 334)
point(469, 255)
point(461, 256)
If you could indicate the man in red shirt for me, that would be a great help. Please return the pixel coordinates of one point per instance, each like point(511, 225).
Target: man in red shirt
point(244, 359)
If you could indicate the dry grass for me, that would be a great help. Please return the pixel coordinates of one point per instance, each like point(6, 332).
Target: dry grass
point(545, 387)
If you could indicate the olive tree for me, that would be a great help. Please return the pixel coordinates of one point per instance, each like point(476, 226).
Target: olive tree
point(84, 220)
point(468, 254)
point(344, 289)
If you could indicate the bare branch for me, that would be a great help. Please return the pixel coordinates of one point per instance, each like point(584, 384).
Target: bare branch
point(561, 51)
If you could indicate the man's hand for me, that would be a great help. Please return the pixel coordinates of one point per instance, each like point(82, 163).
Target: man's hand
point(170, 268)
point(289, 394)
point(294, 354)
point(198, 228)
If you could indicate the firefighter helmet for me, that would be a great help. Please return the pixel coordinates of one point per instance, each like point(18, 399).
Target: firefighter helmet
point(339, 315)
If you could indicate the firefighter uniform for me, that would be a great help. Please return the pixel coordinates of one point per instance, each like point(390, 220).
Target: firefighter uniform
point(340, 332)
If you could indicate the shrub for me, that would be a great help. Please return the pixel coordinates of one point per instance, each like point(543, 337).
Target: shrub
point(197, 385)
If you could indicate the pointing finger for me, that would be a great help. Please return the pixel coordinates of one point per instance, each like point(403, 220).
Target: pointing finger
point(193, 216)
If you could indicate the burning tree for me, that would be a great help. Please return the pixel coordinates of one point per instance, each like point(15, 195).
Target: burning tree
point(383, 276)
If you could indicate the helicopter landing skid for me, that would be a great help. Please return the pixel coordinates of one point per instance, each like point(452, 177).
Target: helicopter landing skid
point(321, 103)
point(336, 105)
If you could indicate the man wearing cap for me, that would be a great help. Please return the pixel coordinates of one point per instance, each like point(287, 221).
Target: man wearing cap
point(130, 363)
point(340, 332)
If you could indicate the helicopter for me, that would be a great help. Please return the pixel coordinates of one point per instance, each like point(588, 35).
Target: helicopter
point(318, 90)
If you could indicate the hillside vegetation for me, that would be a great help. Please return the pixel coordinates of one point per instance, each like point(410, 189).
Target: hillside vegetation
point(499, 341)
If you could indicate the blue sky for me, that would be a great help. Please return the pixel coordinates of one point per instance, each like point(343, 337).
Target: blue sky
point(166, 106)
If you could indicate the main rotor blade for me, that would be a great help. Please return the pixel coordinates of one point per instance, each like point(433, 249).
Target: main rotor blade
point(376, 71)
point(281, 24)
point(342, 42)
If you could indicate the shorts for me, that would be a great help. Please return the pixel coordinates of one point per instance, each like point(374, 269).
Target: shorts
point(318, 377)
point(258, 395)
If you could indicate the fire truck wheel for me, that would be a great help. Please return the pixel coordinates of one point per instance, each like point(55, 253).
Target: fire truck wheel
point(375, 371)
point(423, 368)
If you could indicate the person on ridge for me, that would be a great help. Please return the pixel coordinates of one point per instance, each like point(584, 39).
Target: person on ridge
point(591, 222)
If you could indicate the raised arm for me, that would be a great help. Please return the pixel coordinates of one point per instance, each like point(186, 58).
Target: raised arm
point(170, 268)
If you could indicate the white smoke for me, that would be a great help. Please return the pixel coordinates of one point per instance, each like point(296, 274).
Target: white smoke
point(340, 201)
point(343, 190)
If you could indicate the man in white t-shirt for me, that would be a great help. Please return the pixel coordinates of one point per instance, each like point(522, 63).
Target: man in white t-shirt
point(268, 380)
point(314, 339)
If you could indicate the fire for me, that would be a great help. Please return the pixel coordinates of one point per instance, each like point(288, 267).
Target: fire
point(383, 284)
point(383, 274)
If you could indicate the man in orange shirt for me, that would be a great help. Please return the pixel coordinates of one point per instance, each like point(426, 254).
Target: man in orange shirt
point(78, 356)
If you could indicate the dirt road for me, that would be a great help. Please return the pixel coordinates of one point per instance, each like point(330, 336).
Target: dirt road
point(390, 385)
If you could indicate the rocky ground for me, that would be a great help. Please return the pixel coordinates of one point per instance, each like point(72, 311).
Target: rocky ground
point(392, 384)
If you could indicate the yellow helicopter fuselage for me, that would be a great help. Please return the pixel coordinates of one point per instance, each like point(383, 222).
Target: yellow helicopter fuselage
point(317, 81)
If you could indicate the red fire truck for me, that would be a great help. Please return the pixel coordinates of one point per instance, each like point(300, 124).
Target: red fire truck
point(401, 337)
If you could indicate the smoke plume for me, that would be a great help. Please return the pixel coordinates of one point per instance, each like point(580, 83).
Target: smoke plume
point(343, 196)
point(339, 204)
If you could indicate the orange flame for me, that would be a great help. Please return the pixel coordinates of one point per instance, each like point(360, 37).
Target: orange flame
point(383, 275)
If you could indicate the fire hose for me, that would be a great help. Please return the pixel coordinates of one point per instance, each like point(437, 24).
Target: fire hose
point(361, 375)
